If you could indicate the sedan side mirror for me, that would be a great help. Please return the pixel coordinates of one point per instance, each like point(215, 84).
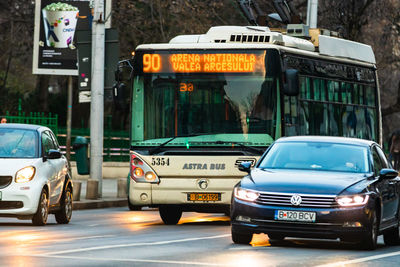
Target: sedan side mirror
point(388, 174)
point(245, 166)
point(54, 154)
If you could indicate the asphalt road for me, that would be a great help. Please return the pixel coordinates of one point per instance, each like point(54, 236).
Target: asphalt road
point(118, 237)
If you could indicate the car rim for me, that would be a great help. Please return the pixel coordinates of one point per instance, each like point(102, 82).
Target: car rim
point(68, 204)
point(44, 207)
point(374, 229)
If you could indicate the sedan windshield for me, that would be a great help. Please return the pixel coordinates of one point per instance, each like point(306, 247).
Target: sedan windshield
point(317, 156)
point(17, 143)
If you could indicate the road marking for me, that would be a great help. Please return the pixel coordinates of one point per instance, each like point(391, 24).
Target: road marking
point(134, 245)
point(92, 225)
point(370, 258)
point(133, 260)
point(82, 237)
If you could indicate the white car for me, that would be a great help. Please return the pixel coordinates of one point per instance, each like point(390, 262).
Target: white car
point(34, 175)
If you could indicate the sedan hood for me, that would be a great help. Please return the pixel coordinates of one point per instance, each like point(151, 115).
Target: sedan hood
point(299, 181)
point(8, 167)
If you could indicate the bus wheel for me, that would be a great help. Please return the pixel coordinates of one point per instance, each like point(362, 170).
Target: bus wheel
point(170, 215)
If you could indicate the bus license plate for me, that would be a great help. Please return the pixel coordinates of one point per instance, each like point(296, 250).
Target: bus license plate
point(298, 216)
point(204, 196)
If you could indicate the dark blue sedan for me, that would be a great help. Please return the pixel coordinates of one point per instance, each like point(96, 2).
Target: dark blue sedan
point(319, 187)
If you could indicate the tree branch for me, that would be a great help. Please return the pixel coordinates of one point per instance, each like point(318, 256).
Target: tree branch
point(394, 108)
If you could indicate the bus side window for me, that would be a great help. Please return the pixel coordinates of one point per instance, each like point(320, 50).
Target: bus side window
point(317, 83)
point(291, 117)
point(333, 91)
point(346, 92)
point(355, 96)
point(305, 87)
point(370, 95)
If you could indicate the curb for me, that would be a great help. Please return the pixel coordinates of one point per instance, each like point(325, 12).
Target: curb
point(99, 203)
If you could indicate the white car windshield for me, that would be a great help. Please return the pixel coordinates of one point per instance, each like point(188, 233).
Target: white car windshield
point(18, 143)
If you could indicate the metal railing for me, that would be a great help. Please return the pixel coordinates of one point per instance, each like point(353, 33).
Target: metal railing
point(116, 143)
point(39, 118)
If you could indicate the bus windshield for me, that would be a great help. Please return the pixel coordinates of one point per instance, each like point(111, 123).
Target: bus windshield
point(210, 98)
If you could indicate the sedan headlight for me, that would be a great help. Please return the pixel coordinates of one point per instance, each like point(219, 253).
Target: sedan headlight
point(25, 174)
point(355, 200)
point(247, 195)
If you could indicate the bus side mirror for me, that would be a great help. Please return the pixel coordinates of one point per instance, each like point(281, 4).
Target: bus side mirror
point(245, 166)
point(120, 96)
point(117, 75)
point(291, 87)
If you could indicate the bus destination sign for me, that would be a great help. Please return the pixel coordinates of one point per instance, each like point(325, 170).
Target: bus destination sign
point(204, 63)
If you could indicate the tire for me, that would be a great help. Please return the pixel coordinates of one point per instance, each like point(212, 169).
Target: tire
point(133, 207)
point(277, 237)
point(170, 215)
point(63, 216)
point(392, 236)
point(241, 238)
point(369, 242)
point(40, 217)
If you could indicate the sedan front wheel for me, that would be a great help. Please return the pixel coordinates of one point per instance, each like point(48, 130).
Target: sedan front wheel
point(370, 239)
point(240, 238)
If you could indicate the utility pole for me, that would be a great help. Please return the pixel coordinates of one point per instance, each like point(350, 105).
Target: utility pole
point(97, 94)
point(312, 13)
point(69, 117)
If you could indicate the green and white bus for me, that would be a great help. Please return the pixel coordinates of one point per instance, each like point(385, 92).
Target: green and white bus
point(201, 104)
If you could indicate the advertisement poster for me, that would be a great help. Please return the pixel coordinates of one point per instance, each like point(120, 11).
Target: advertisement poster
point(56, 23)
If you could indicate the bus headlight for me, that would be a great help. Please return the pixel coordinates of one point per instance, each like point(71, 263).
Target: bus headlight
point(138, 172)
point(150, 176)
point(141, 172)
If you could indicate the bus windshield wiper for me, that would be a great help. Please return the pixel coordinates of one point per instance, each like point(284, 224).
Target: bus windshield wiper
point(249, 148)
point(241, 145)
point(158, 148)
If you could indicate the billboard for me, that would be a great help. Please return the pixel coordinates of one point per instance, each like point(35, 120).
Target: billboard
point(56, 22)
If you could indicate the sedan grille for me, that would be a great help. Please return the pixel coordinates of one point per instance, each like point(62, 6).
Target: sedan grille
point(307, 200)
point(5, 181)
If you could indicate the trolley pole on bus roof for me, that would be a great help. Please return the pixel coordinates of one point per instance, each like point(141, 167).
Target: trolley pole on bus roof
point(97, 94)
point(312, 13)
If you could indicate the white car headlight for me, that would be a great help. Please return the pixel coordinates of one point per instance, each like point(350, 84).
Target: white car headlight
point(355, 200)
point(25, 174)
point(247, 195)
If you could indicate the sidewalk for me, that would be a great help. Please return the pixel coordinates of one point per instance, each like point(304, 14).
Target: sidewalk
point(109, 196)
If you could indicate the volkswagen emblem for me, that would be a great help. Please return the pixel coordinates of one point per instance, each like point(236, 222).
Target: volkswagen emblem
point(203, 183)
point(295, 200)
